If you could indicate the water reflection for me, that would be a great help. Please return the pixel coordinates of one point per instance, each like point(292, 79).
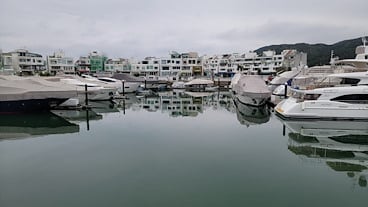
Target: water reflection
point(342, 145)
point(176, 103)
point(77, 116)
point(251, 115)
point(32, 125)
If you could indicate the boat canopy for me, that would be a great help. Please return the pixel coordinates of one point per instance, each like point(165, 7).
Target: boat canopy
point(199, 82)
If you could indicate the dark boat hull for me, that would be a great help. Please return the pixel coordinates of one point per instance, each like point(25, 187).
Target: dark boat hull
point(31, 105)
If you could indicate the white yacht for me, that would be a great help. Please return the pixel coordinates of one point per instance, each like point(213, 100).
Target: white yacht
point(285, 77)
point(29, 94)
point(348, 102)
point(96, 92)
point(105, 82)
point(361, 58)
point(250, 89)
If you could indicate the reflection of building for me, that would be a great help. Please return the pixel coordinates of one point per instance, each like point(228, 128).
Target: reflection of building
point(342, 145)
point(180, 103)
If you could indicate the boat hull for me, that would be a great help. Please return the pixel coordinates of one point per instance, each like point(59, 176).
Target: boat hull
point(252, 99)
point(30, 105)
point(322, 110)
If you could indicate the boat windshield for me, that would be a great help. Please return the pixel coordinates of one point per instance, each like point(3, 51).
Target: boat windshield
point(301, 96)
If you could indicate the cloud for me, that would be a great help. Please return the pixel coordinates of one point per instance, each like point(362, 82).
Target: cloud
point(142, 28)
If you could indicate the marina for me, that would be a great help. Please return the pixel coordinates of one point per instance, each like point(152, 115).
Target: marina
point(183, 103)
point(222, 130)
point(173, 148)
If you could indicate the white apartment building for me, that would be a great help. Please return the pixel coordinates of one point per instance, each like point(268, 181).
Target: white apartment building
point(120, 65)
point(22, 61)
point(150, 66)
point(268, 63)
point(171, 66)
point(58, 63)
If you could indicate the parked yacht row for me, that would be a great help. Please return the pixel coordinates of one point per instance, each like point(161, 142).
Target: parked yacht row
point(341, 92)
point(35, 93)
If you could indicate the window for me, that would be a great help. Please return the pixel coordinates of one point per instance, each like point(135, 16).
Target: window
point(353, 98)
point(350, 81)
point(311, 97)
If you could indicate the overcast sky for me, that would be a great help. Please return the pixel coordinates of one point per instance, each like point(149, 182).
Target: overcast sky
point(140, 28)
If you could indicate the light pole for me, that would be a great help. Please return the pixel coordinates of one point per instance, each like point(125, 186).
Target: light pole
point(123, 82)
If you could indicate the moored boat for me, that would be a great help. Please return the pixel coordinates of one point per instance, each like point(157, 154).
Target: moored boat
point(349, 102)
point(250, 89)
point(19, 94)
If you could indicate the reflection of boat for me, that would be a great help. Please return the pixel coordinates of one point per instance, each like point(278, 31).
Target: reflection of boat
point(343, 145)
point(250, 89)
point(77, 115)
point(28, 125)
point(338, 135)
point(250, 115)
point(104, 107)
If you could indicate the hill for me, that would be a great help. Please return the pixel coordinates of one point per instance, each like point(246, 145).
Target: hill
point(319, 54)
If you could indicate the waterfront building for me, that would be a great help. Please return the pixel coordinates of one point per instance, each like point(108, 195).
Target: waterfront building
point(97, 62)
point(58, 63)
point(150, 66)
point(120, 65)
point(83, 65)
point(179, 66)
point(22, 61)
point(171, 66)
point(219, 65)
point(293, 58)
point(268, 62)
point(192, 64)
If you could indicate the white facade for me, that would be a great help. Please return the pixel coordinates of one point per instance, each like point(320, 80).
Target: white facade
point(267, 63)
point(175, 66)
point(58, 63)
point(22, 60)
point(118, 65)
point(150, 66)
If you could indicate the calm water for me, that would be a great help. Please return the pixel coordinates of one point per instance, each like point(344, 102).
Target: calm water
point(175, 149)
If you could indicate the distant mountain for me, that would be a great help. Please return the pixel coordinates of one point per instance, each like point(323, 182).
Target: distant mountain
point(319, 54)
